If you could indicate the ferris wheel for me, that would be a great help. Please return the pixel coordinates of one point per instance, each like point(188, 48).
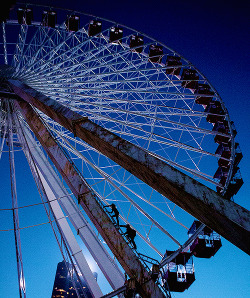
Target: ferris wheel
point(120, 129)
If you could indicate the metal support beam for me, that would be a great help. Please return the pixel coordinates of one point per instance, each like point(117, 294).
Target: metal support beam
point(59, 217)
point(74, 247)
point(20, 272)
point(107, 265)
point(4, 45)
point(227, 218)
point(129, 260)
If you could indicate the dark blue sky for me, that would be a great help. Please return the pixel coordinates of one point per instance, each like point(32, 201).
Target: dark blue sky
point(215, 38)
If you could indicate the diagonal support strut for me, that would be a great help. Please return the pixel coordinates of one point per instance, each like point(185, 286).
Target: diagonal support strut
point(92, 206)
point(227, 218)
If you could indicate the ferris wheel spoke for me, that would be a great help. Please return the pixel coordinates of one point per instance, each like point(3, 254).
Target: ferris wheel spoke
point(56, 55)
point(37, 46)
point(136, 80)
point(71, 52)
point(129, 89)
point(102, 74)
point(157, 138)
point(110, 178)
point(30, 49)
point(20, 46)
point(4, 44)
point(118, 185)
point(41, 49)
point(90, 72)
point(152, 102)
point(177, 124)
point(3, 132)
point(98, 61)
point(95, 70)
point(19, 259)
point(142, 101)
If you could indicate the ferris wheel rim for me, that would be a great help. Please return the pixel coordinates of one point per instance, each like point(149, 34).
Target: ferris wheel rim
point(112, 23)
point(188, 65)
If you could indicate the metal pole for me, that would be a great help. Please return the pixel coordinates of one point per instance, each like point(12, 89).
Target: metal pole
point(21, 280)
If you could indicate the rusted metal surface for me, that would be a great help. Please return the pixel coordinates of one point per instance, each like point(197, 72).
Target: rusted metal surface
point(227, 218)
point(90, 203)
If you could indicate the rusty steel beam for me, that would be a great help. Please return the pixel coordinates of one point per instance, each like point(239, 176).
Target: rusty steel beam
point(227, 218)
point(91, 204)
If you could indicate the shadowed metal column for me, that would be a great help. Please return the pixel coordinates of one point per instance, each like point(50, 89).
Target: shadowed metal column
point(21, 283)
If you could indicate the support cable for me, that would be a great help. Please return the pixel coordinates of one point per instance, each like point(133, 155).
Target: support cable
point(4, 44)
point(21, 280)
point(67, 256)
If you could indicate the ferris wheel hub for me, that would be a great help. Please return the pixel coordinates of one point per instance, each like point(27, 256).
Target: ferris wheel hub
point(6, 72)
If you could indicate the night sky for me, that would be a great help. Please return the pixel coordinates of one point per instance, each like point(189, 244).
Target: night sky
point(215, 38)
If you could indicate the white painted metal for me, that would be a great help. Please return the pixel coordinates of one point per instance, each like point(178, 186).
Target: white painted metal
point(20, 46)
point(4, 44)
point(21, 278)
point(107, 265)
point(75, 249)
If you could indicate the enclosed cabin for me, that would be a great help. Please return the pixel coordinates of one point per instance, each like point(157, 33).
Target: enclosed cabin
point(235, 184)
point(24, 16)
point(215, 112)
point(136, 43)
point(49, 19)
point(221, 174)
point(179, 273)
point(73, 23)
point(95, 27)
point(234, 131)
point(189, 79)
point(115, 35)
point(224, 151)
point(238, 154)
point(207, 243)
point(223, 135)
point(173, 64)
point(155, 53)
point(203, 94)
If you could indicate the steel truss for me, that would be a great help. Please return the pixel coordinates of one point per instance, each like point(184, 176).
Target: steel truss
point(119, 128)
point(232, 220)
